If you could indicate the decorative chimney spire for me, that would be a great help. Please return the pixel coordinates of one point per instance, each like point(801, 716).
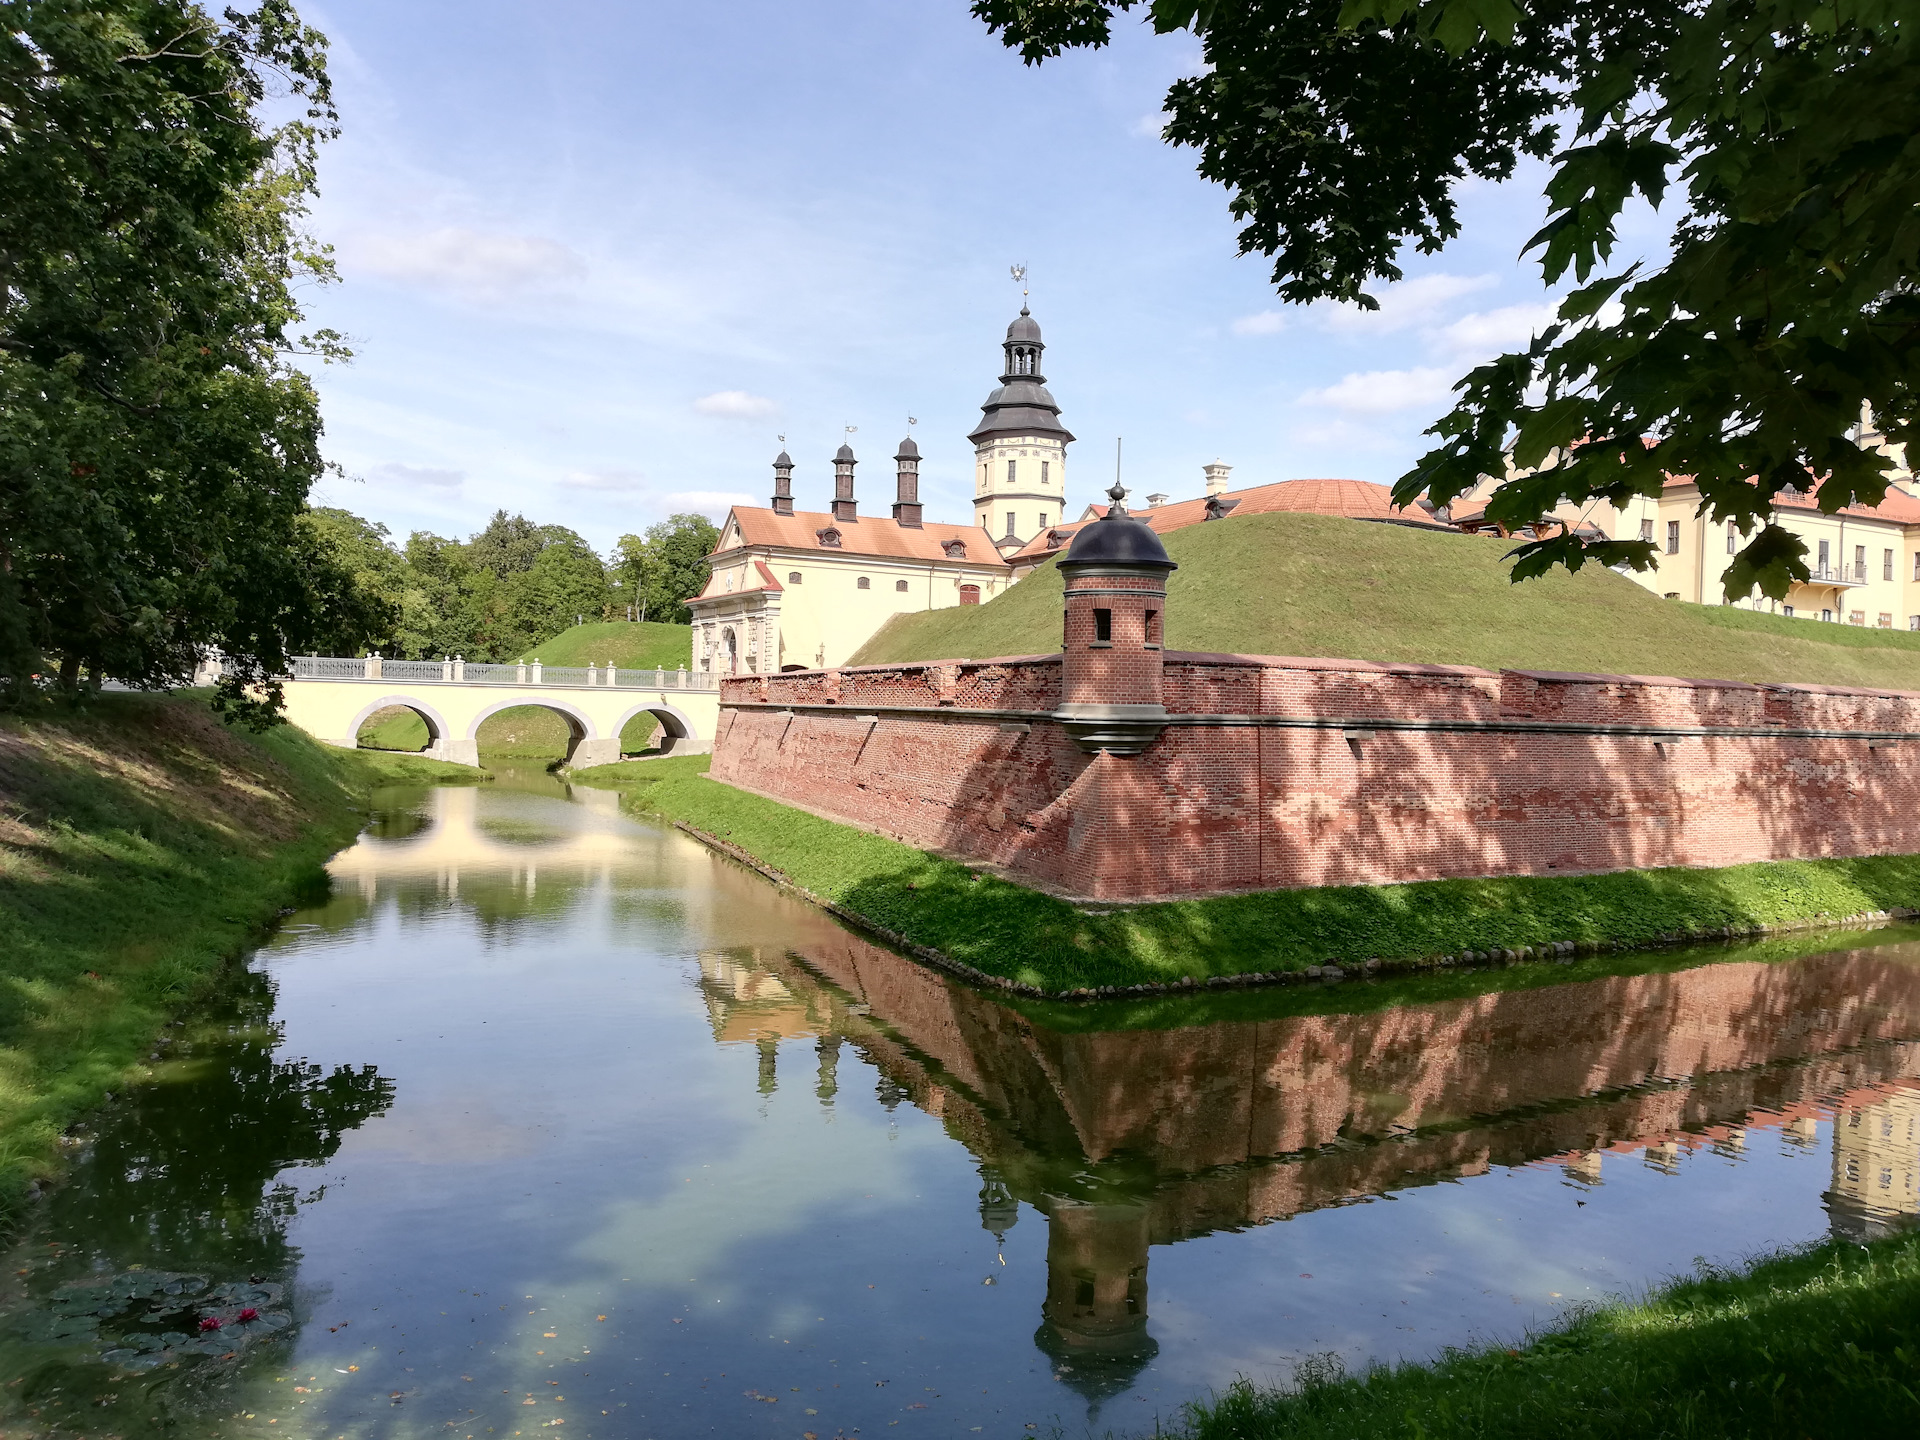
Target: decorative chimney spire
point(1217, 477)
point(843, 463)
point(783, 484)
point(906, 504)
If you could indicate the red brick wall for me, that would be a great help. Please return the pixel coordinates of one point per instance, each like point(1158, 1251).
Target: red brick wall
point(1223, 807)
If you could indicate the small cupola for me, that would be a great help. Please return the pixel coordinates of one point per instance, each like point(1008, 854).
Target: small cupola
point(906, 503)
point(783, 484)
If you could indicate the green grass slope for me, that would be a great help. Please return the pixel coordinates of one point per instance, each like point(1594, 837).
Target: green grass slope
point(1816, 1344)
point(645, 645)
point(143, 844)
point(1318, 585)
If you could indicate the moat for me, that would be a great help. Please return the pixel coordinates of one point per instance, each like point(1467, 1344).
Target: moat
point(545, 1116)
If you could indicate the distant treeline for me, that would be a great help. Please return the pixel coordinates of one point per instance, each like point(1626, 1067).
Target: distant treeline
point(510, 586)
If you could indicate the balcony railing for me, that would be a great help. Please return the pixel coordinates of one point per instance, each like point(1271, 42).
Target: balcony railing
point(465, 672)
point(1847, 575)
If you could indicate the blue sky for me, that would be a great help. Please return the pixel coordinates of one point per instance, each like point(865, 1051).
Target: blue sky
point(596, 256)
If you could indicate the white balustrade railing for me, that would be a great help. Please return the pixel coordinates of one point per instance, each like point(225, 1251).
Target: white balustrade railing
point(459, 671)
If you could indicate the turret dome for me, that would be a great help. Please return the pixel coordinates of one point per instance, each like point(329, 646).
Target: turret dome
point(1118, 539)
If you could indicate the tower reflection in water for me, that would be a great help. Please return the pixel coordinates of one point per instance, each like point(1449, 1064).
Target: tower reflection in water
point(1297, 1100)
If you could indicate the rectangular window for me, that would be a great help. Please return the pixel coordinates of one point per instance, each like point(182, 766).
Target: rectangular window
point(1825, 558)
point(1103, 626)
point(1827, 615)
point(1010, 524)
point(1043, 476)
point(1856, 617)
point(1646, 533)
point(1913, 622)
point(1733, 538)
point(1673, 537)
point(1886, 621)
point(1886, 565)
point(1786, 609)
point(1010, 465)
point(1153, 627)
point(1860, 563)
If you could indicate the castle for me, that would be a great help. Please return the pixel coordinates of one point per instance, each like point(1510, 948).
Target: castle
point(792, 589)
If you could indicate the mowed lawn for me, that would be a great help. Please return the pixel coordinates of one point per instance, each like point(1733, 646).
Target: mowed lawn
point(1322, 586)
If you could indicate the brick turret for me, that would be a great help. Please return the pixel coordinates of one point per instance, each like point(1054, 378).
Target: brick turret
point(1115, 615)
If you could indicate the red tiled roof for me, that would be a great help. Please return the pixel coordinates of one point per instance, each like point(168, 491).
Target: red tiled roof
point(1898, 507)
point(1353, 499)
point(763, 581)
point(869, 535)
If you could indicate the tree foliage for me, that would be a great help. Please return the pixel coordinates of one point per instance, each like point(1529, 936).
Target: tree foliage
point(662, 570)
point(1783, 135)
point(156, 443)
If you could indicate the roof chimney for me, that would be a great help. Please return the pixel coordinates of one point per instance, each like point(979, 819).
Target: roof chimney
point(843, 463)
point(1217, 477)
point(906, 504)
point(783, 484)
point(1154, 502)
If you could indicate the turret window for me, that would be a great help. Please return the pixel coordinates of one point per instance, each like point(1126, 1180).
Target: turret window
point(1043, 477)
point(1010, 470)
point(1103, 626)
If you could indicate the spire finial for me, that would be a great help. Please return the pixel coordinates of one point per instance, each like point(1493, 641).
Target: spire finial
point(1118, 492)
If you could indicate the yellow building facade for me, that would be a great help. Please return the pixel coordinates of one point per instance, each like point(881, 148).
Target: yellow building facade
point(1864, 561)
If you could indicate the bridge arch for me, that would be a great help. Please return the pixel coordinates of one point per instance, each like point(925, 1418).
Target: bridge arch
point(578, 721)
point(678, 732)
point(436, 723)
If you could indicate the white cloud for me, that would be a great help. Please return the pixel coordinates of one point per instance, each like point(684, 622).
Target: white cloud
point(1267, 322)
point(1148, 127)
point(1411, 302)
point(1382, 392)
point(392, 472)
point(1485, 332)
point(734, 405)
point(473, 262)
point(711, 503)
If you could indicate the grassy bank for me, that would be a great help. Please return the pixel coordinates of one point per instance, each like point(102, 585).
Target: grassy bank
point(1024, 936)
point(142, 845)
point(1384, 592)
point(642, 645)
point(526, 732)
point(1822, 1343)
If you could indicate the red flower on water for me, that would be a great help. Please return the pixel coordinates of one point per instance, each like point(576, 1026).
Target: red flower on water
point(212, 1322)
point(248, 1314)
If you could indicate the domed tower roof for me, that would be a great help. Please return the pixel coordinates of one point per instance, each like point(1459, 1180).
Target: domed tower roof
point(843, 454)
point(908, 450)
point(1021, 405)
point(1118, 539)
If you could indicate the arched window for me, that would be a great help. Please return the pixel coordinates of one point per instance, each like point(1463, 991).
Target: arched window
point(793, 577)
point(956, 549)
point(901, 586)
point(863, 583)
point(970, 595)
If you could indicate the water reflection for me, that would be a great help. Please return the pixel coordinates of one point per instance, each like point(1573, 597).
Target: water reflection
point(1129, 1139)
point(638, 1111)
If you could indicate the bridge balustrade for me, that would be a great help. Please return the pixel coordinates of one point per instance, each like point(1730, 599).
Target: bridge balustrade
point(474, 672)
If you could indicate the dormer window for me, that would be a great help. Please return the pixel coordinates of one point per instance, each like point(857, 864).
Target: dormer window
point(956, 549)
point(829, 537)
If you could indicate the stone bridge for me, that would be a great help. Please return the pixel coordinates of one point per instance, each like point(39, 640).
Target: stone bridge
point(332, 698)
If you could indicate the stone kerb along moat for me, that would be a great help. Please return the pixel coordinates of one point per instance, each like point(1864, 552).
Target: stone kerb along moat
point(1117, 770)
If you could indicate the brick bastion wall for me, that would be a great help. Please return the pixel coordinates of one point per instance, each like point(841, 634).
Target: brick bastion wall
point(1270, 772)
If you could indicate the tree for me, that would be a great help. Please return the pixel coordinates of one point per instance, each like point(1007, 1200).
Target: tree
point(566, 580)
point(668, 567)
point(156, 444)
point(373, 571)
point(1786, 305)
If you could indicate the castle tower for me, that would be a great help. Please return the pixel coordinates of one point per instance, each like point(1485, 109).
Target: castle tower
point(843, 505)
point(906, 504)
point(1020, 447)
point(783, 484)
point(1115, 574)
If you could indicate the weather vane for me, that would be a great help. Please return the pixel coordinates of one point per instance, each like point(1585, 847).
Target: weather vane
point(1019, 273)
point(783, 439)
point(912, 421)
point(853, 429)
